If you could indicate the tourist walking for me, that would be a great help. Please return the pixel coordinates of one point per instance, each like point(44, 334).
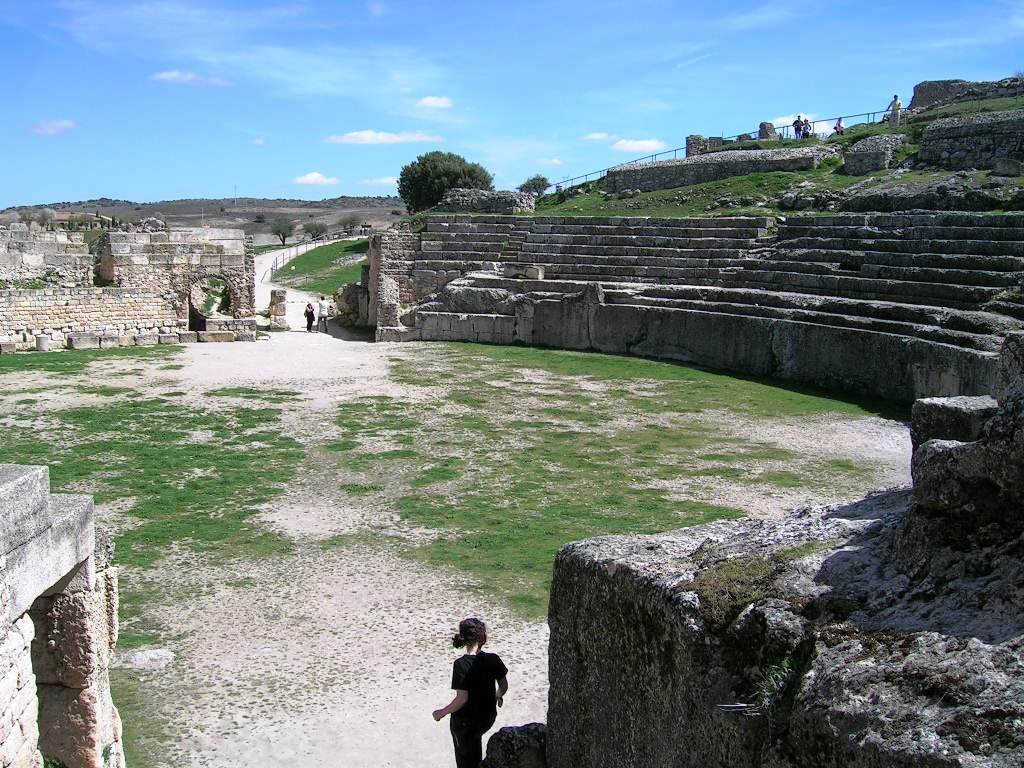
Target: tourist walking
point(798, 127)
point(321, 314)
point(310, 317)
point(894, 109)
point(839, 127)
point(474, 708)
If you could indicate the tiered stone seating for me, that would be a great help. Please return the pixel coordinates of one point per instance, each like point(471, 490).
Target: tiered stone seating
point(937, 279)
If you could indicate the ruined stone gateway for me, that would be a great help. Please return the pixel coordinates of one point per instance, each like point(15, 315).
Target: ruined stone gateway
point(59, 602)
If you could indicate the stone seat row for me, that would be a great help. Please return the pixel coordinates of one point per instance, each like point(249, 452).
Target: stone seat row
point(46, 342)
point(907, 245)
point(439, 222)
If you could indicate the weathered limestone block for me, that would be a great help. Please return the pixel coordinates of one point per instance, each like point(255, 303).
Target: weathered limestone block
point(167, 338)
point(145, 339)
point(215, 336)
point(486, 201)
point(973, 141)
point(8, 347)
point(950, 418)
point(42, 343)
point(83, 341)
point(522, 746)
point(874, 153)
point(766, 131)
point(188, 337)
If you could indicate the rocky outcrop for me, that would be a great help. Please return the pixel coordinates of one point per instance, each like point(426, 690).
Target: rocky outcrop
point(875, 153)
point(523, 746)
point(888, 632)
point(973, 141)
point(931, 94)
point(957, 192)
point(486, 201)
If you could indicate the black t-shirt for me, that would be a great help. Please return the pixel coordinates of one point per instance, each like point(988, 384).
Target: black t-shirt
point(477, 675)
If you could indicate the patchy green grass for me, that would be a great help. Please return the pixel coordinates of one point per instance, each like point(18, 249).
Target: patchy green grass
point(323, 270)
point(251, 393)
point(73, 362)
point(517, 451)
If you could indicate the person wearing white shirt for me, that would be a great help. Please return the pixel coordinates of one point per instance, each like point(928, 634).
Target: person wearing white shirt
point(894, 111)
point(321, 314)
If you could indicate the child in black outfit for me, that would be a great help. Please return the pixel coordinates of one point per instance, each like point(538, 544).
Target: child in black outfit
point(474, 707)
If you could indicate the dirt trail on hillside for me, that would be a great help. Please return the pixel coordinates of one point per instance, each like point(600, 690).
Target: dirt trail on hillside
point(335, 654)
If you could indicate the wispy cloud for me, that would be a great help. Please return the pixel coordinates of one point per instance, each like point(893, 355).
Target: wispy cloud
point(599, 136)
point(639, 145)
point(383, 137)
point(179, 77)
point(435, 102)
point(383, 181)
point(552, 161)
point(258, 142)
point(316, 179)
point(52, 127)
point(377, 8)
point(766, 15)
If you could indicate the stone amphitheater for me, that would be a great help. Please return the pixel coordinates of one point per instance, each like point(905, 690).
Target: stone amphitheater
point(882, 632)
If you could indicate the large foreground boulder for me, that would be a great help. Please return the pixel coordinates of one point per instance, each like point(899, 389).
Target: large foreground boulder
point(888, 632)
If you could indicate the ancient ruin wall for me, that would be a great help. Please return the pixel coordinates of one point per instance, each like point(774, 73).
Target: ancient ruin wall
point(28, 255)
point(174, 261)
point(974, 141)
point(60, 312)
point(713, 166)
point(935, 93)
point(884, 632)
point(58, 628)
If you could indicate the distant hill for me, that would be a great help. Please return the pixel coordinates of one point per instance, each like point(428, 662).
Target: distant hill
point(249, 213)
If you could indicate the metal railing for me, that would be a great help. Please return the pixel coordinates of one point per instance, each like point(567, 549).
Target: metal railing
point(785, 132)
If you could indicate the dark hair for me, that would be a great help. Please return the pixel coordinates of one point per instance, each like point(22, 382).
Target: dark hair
point(471, 632)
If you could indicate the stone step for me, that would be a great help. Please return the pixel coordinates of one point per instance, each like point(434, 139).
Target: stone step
point(788, 231)
point(941, 294)
point(1010, 308)
point(702, 240)
point(968, 321)
point(626, 230)
point(955, 276)
point(749, 222)
point(940, 219)
point(980, 341)
point(938, 260)
point(585, 251)
point(465, 245)
point(438, 227)
point(447, 255)
point(458, 237)
point(683, 260)
point(892, 245)
point(24, 505)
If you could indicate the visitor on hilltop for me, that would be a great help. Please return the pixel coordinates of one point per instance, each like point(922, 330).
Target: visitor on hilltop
point(310, 317)
point(839, 128)
point(798, 127)
point(474, 708)
point(321, 314)
point(894, 108)
point(808, 128)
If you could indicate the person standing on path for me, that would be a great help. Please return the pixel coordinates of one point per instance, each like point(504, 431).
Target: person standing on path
point(894, 108)
point(321, 314)
point(310, 317)
point(474, 708)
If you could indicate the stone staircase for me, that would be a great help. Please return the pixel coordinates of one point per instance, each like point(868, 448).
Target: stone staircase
point(936, 293)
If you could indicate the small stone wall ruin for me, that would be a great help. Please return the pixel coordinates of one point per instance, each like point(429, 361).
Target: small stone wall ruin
point(32, 255)
point(937, 93)
point(58, 629)
point(974, 141)
point(486, 201)
point(714, 166)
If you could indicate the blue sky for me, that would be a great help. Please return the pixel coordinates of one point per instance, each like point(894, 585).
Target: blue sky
point(161, 99)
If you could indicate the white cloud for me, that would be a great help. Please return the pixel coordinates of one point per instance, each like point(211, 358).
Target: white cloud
point(766, 15)
point(598, 136)
point(552, 161)
point(179, 77)
point(376, 8)
point(383, 137)
point(435, 102)
point(52, 127)
point(383, 181)
point(639, 145)
point(316, 179)
point(258, 142)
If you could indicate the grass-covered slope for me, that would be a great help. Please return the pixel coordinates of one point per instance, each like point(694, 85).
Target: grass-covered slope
point(322, 270)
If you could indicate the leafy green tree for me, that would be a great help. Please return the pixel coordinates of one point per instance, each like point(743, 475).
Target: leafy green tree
point(283, 228)
point(315, 229)
point(425, 181)
point(350, 221)
point(535, 185)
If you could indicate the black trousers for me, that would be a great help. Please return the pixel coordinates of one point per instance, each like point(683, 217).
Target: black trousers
point(467, 735)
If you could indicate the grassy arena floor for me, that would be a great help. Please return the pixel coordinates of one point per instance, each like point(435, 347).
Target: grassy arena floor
point(507, 453)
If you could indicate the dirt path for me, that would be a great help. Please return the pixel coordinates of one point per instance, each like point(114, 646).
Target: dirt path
point(337, 653)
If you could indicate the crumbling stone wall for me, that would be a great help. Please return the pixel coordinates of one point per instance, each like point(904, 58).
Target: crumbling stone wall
point(176, 260)
point(60, 312)
point(885, 632)
point(59, 256)
point(58, 627)
point(875, 153)
point(974, 141)
point(486, 201)
point(665, 174)
point(938, 93)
